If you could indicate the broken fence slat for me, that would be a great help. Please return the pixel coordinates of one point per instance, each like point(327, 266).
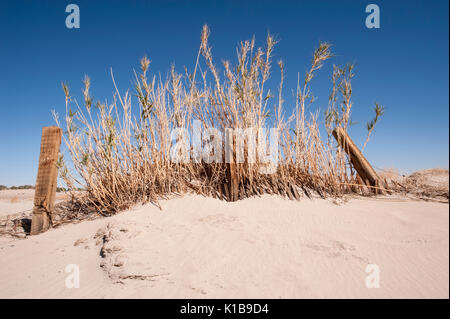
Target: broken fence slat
point(359, 162)
point(45, 189)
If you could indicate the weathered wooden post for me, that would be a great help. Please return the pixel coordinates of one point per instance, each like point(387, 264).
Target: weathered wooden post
point(45, 189)
point(230, 150)
point(360, 163)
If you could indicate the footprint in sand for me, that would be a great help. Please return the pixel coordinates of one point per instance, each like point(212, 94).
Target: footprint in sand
point(220, 220)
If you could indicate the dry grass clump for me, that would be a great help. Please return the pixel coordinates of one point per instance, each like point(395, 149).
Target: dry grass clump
point(430, 183)
point(123, 156)
point(18, 224)
point(389, 173)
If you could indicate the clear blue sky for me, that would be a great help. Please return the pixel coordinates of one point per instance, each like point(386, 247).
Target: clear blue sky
point(403, 65)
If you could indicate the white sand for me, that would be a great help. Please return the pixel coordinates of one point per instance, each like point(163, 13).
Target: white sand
point(264, 247)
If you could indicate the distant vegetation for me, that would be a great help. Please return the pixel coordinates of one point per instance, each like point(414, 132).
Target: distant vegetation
point(2, 187)
point(58, 189)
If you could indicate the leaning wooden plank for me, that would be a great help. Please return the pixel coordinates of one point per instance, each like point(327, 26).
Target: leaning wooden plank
point(45, 189)
point(359, 162)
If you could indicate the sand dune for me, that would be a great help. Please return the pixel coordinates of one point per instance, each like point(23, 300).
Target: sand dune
point(266, 247)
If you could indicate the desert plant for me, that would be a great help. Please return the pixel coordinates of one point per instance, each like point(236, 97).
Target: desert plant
point(22, 187)
point(379, 111)
point(121, 156)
